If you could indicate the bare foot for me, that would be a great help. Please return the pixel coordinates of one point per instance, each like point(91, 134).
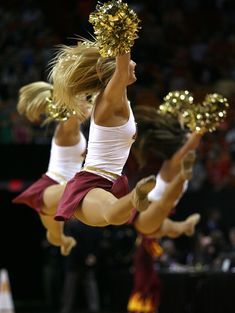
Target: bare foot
point(140, 192)
point(66, 243)
point(187, 164)
point(67, 246)
point(191, 223)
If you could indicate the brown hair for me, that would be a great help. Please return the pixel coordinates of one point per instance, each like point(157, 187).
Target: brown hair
point(160, 135)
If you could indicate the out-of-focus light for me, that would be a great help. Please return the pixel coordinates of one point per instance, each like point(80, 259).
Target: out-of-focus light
point(15, 185)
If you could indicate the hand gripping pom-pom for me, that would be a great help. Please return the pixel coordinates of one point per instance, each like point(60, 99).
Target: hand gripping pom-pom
point(201, 117)
point(214, 111)
point(178, 103)
point(210, 114)
point(56, 112)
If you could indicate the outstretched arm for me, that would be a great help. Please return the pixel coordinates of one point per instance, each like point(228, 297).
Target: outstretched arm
point(67, 133)
point(172, 166)
point(116, 87)
point(112, 104)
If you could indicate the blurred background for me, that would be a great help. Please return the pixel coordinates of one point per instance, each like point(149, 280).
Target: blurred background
point(184, 44)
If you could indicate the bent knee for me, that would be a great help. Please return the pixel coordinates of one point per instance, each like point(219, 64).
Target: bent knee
point(48, 212)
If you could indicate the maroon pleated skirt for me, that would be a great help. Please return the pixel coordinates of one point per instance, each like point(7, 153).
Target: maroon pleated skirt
point(33, 195)
point(80, 185)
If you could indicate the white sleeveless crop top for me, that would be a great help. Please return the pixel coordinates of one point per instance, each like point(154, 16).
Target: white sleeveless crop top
point(65, 162)
point(109, 147)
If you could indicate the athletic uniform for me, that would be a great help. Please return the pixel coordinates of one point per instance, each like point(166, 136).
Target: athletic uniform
point(64, 162)
point(107, 153)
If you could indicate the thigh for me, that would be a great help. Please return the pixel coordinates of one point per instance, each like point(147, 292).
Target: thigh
point(92, 209)
point(149, 221)
point(51, 197)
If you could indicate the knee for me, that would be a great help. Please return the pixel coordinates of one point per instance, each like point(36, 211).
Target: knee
point(50, 212)
point(112, 218)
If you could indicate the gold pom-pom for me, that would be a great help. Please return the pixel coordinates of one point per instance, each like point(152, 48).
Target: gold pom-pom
point(211, 113)
point(57, 113)
point(198, 119)
point(115, 27)
point(178, 103)
point(218, 105)
point(202, 117)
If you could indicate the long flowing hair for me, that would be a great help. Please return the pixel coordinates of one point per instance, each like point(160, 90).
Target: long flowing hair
point(77, 70)
point(32, 100)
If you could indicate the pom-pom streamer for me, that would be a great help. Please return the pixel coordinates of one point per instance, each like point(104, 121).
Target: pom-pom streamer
point(201, 117)
point(56, 112)
point(115, 28)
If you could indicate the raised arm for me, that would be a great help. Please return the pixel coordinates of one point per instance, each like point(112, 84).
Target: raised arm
point(112, 103)
point(67, 133)
point(116, 88)
point(171, 167)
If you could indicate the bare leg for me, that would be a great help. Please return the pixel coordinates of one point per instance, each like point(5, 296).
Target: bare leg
point(55, 234)
point(101, 208)
point(55, 229)
point(149, 221)
point(51, 197)
point(174, 229)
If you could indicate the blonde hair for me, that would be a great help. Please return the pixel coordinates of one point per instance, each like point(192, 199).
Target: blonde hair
point(79, 70)
point(33, 99)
